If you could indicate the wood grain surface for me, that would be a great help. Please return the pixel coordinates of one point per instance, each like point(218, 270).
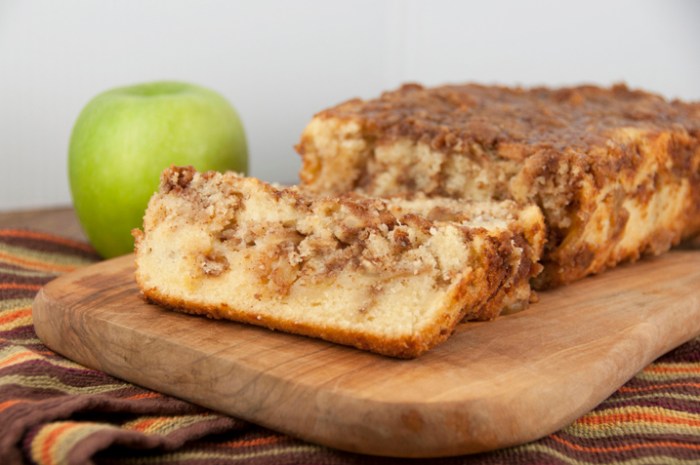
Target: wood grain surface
point(490, 385)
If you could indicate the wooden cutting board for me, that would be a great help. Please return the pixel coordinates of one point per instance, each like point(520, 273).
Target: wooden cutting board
point(490, 385)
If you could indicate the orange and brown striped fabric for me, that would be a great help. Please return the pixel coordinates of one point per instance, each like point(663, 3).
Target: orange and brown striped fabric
point(54, 411)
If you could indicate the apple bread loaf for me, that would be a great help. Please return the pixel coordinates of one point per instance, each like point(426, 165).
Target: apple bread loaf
point(393, 276)
point(615, 171)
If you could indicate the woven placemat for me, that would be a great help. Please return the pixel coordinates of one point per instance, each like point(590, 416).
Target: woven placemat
point(54, 411)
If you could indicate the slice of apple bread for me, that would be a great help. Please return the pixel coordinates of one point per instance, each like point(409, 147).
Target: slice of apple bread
point(393, 276)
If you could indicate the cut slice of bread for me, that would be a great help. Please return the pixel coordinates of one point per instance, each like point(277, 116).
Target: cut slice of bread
point(393, 276)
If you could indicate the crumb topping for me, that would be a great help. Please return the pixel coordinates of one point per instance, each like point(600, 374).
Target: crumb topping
point(514, 122)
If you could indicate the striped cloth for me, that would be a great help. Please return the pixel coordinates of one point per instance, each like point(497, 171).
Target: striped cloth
point(54, 411)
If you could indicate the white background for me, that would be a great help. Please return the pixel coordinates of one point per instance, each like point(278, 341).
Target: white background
point(279, 62)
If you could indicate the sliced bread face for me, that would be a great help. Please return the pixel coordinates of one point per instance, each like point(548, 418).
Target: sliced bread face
point(393, 276)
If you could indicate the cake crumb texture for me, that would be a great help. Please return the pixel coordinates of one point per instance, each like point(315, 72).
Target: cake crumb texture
point(393, 276)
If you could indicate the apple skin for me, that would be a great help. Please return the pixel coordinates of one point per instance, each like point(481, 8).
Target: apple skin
point(124, 138)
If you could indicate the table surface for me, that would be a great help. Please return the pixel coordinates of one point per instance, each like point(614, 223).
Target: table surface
point(58, 220)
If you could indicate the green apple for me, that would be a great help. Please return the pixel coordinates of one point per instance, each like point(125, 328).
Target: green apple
point(125, 137)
